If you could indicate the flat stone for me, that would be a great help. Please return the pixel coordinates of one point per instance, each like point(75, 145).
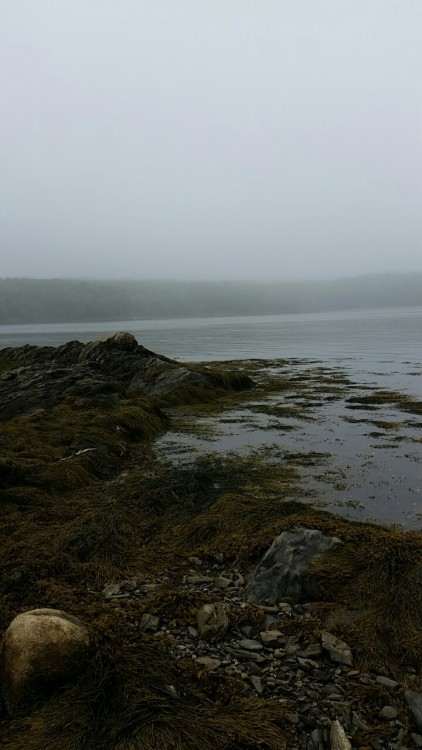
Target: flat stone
point(388, 713)
point(314, 649)
point(197, 579)
point(246, 655)
point(386, 682)
point(192, 632)
point(272, 638)
point(414, 701)
point(208, 662)
point(337, 649)
point(247, 644)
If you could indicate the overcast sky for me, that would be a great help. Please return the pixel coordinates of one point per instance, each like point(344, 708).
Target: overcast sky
point(266, 139)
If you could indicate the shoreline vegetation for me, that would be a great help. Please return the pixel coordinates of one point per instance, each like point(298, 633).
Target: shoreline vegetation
point(98, 521)
point(84, 300)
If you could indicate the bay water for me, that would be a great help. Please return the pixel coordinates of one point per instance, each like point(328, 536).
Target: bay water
point(381, 474)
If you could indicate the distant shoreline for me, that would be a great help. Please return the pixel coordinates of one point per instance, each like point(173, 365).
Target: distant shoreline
point(49, 301)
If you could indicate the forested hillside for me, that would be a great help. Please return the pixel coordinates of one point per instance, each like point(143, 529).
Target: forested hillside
point(72, 300)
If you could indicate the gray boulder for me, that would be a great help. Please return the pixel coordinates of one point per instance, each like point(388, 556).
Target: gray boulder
point(414, 701)
point(283, 570)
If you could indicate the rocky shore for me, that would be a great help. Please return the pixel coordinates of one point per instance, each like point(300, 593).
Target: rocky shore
point(210, 608)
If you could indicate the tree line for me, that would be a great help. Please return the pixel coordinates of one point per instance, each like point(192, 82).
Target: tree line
point(75, 300)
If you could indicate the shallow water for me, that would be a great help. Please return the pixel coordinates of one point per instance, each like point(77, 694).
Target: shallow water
point(379, 345)
point(364, 475)
point(360, 463)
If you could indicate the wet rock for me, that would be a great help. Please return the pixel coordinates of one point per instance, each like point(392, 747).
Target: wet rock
point(42, 649)
point(414, 701)
point(338, 650)
point(283, 570)
point(212, 621)
point(338, 739)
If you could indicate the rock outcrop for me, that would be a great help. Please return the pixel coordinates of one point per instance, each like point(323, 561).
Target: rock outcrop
point(105, 371)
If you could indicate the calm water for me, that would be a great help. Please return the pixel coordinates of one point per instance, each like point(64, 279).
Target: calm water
point(385, 345)
point(366, 473)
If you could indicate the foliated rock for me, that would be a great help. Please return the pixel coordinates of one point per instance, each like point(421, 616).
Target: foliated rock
point(212, 621)
point(284, 569)
point(338, 739)
point(338, 650)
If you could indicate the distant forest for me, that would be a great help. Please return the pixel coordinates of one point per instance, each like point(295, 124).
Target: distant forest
point(73, 300)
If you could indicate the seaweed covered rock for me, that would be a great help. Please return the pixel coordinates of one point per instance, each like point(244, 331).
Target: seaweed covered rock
point(112, 368)
point(283, 570)
point(42, 649)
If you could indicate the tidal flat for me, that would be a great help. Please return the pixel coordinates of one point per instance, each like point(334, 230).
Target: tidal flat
point(134, 487)
point(358, 447)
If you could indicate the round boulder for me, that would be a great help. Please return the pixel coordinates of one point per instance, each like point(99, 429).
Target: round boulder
point(42, 649)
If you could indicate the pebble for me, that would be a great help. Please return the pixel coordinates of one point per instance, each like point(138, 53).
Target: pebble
point(208, 662)
point(269, 651)
point(338, 650)
point(257, 684)
point(149, 623)
point(272, 638)
point(386, 682)
point(388, 713)
point(248, 644)
point(222, 583)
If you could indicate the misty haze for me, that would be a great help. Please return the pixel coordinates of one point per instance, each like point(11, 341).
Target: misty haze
point(210, 374)
point(210, 140)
